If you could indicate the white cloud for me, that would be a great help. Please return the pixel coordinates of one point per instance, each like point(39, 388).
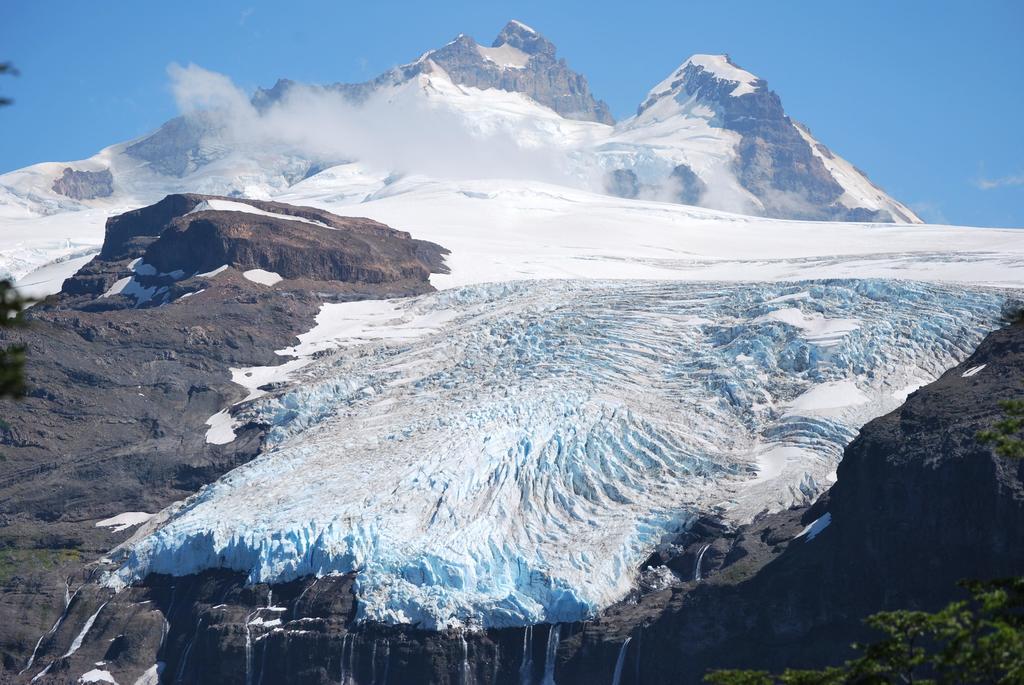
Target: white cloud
point(196, 89)
point(396, 130)
point(1001, 182)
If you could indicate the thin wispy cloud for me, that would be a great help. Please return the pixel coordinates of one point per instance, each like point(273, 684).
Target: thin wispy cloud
point(316, 123)
point(1001, 182)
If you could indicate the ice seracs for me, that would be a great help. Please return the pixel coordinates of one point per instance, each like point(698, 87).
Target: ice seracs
point(507, 454)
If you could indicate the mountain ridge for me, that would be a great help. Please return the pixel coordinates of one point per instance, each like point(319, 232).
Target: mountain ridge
point(711, 134)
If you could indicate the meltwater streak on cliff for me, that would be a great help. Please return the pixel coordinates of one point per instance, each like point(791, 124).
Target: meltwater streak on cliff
point(700, 558)
point(620, 662)
point(549, 656)
point(515, 462)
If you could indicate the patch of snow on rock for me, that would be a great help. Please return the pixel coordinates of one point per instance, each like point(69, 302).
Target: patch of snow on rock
point(263, 277)
point(505, 56)
point(152, 675)
point(814, 529)
point(222, 428)
point(972, 371)
point(211, 274)
point(231, 206)
point(121, 522)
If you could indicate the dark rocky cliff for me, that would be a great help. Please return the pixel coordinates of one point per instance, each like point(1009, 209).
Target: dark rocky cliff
point(121, 385)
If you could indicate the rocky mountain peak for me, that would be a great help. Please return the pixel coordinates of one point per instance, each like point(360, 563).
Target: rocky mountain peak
point(520, 36)
point(523, 61)
point(709, 77)
point(785, 171)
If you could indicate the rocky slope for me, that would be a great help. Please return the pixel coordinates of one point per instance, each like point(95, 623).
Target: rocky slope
point(918, 505)
point(129, 361)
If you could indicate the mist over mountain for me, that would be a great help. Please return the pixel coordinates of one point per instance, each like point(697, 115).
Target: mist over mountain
point(710, 135)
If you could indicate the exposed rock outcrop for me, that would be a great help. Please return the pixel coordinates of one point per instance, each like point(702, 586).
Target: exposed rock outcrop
point(160, 245)
point(84, 185)
point(688, 188)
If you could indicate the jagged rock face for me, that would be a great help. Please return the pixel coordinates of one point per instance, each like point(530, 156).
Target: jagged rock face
point(622, 183)
point(84, 185)
point(774, 162)
point(522, 37)
point(522, 61)
point(682, 186)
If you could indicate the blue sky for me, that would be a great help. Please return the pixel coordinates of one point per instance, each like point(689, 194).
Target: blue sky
point(926, 97)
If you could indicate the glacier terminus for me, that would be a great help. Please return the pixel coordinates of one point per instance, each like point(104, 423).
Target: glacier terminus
point(506, 454)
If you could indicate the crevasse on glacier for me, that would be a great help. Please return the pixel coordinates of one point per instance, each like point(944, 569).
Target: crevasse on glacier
point(515, 464)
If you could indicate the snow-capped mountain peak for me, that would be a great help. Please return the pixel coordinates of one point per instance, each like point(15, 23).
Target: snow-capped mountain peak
point(710, 134)
point(723, 69)
point(737, 149)
point(718, 67)
point(519, 60)
point(520, 36)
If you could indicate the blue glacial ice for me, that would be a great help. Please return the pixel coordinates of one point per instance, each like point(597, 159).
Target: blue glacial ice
point(514, 463)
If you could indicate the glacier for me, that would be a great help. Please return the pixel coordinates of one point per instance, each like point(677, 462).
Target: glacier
point(505, 454)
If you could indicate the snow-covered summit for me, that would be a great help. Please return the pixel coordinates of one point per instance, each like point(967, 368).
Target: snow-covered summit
point(711, 134)
point(734, 147)
point(717, 66)
point(522, 37)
